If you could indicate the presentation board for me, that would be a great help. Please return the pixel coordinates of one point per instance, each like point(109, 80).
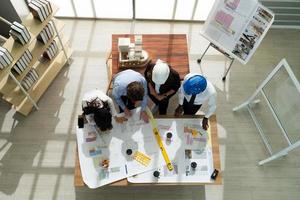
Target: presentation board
point(237, 27)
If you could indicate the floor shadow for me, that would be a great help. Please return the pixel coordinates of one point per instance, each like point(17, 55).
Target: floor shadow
point(27, 142)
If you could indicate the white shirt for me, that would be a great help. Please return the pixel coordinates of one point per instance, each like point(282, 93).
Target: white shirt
point(91, 95)
point(157, 87)
point(209, 94)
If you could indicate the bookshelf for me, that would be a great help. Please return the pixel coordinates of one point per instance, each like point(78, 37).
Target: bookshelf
point(10, 83)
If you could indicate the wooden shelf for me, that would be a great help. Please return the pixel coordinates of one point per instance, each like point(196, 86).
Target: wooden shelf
point(45, 80)
point(34, 27)
point(16, 96)
point(47, 70)
point(36, 48)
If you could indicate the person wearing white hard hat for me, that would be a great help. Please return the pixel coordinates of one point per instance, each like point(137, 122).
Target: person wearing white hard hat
point(163, 82)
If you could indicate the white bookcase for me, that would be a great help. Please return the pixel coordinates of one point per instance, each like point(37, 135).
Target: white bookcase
point(10, 84)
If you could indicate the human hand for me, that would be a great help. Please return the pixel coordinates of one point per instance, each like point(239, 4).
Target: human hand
point(205, 123)
point(144, 116)
point(178, 110)
point(127, 113)
point(160, 97)
point(120, 119)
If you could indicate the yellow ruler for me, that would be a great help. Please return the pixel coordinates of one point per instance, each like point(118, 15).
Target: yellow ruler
point(158, 139)
point(142, 158)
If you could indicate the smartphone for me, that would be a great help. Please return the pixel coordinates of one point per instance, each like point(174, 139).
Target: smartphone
point(80, 121)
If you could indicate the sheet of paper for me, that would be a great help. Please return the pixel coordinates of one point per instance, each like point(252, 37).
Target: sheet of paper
point(92, 156)
point(103, 155)
point(183, 148)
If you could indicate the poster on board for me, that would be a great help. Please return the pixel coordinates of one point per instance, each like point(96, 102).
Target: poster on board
point(238, 27)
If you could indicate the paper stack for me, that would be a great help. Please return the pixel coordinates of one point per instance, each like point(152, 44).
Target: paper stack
point(51, 51)
point(19, 33)
point(30, 78)
point(5, 58)
point(46, 34)
point(23, 62)
point(40, 9)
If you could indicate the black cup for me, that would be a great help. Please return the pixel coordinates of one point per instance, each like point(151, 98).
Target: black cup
point(194, 165)
point(169, 135)
point(129, 152)
point(156, 174)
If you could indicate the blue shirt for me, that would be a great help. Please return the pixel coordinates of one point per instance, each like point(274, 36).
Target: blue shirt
point(122, 80)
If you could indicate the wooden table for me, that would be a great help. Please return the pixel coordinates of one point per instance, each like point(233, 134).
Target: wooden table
point(171, 48)
point(78, 182)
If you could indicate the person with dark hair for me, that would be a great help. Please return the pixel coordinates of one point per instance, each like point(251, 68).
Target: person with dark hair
point(163, 83)
point(194, 91)
point(99, 109)
point(129, 90)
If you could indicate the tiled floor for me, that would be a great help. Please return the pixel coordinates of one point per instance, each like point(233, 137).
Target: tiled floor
point(37, 152)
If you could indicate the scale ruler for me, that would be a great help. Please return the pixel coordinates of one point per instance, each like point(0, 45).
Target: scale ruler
point(158, 139)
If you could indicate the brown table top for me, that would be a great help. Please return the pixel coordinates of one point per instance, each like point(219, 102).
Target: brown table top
point(78, 182)
point(171, 48)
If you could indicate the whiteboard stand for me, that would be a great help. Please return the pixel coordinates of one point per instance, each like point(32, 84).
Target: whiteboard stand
point(251, 101)
point(221, 51)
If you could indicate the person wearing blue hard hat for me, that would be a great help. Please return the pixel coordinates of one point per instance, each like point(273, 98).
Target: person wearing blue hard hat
point(194, 91)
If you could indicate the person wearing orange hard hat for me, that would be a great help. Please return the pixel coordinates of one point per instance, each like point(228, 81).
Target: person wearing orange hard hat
point(163, 82)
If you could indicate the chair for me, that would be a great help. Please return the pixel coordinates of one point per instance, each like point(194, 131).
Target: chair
point(108, 63)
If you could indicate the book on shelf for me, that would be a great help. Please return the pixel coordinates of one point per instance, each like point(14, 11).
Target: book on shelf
point(55, 46)
point(5, 58)
point(19, 66)
point(24, 85)
point(28, 53)
point(50, 25)
point(51, 50)
point(36, 12)
point(17, 69)
point(24, 29)
point(41, 7)
point(22, 64)
point(21, 34)
point(42, 37)
point(17, 37)
point(7, 53)
point(35, 74)
point(25, 61)
point(47, 30)
point(47, 54)
point(30, 78)
point(48, 4)
point(3, 64)
point(26, 58)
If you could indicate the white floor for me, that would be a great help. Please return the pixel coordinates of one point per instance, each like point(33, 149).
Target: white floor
point(37, 152)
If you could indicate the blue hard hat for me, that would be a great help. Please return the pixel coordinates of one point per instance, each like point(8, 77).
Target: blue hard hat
point(195, 85)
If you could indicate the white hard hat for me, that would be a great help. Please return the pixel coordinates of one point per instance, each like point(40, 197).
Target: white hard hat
point(160, 72)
